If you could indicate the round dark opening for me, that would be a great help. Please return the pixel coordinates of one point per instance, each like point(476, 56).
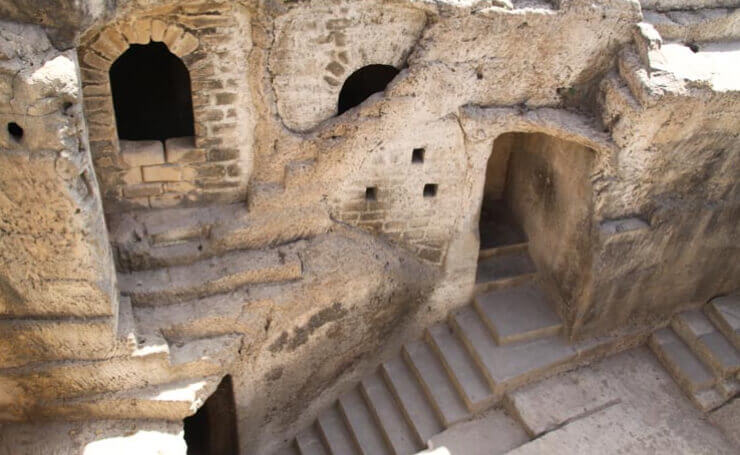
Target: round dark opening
point(362, 83)
point(151, 93)
point(694, 47)
point(15, 131)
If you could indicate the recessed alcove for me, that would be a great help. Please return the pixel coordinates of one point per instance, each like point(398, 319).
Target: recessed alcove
point(364, 82)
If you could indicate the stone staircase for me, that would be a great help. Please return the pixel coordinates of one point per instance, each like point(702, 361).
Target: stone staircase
point(508, 337)
point(694, 21)
point(701, 350)
point(179, 271)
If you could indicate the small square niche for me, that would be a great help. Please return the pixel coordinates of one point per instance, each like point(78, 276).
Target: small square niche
point(430, 190)
point(417, 156)
point(371, 194)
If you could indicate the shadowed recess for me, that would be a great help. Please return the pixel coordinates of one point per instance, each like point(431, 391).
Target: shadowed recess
point(212, 430)
point(362, 83)
point(151, 94)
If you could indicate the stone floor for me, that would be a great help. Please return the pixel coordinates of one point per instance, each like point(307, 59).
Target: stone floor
point(626, 404)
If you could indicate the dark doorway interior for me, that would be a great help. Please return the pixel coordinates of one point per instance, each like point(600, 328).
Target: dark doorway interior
point(498, 225)
point(363, 83)
point(151, 93)
point(212, 430)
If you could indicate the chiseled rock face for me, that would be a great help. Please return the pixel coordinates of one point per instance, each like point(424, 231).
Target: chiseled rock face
point(55, 255)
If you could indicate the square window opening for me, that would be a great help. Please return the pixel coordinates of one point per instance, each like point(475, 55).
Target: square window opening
point(417, 156)
point(371, 194)
point(430, 190)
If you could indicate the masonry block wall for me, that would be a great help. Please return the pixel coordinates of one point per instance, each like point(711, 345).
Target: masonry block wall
point(213, 166)
point(408, 187)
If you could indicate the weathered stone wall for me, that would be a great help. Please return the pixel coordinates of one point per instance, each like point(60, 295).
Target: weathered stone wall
point(548, 187)
point(55, 255)
point(212, 39)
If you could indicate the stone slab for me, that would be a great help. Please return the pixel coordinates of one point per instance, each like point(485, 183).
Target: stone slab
point(513, 364)
point(397, 433)
point(409, 394)
point(727, 419)
point(676, 356)
point(437, 385)
point(504, 266)
point(490, 434)
point(518, 313)
point(365, 430)
point(725, 313)
point(335, 433)
point(460, 366)
point(548, 404)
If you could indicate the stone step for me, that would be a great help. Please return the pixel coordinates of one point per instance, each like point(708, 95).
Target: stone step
point(309, 442)
point(439, 389)
point(181, 236)
point(696, 26)
point(155, 362)
point(714, 350)
point(362, 426)
point(172, 401)
point(518, 313)
point(212, 315)
point(512, 365)
point(409, 395)
point(725, 314)
point(215, 275)
point(504, 270)
point(396, 431)
point(515, 248)
point(46, 340)
point(688, 371)
point(334, 432)
point(460, 367)
point(288, 450)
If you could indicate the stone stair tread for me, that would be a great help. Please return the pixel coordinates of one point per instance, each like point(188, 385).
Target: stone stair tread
point(725, 314)
point(397, 433)
point(460, 367)
point(518, 313)
point(335, 433)
point(309, 442)
point(408, 393)
point(438, 387)
point(512, 364)
point(707, 342)
point(170, 401)
point(678, 358)
point(209, 276)
point(365, 431)
point(500, 267)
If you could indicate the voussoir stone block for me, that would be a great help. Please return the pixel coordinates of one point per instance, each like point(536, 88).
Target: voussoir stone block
point(142, 153)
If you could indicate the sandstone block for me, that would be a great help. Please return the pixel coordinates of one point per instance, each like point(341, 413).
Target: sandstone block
point(142, 32)
point(142, 190)
point(184, 45)
point(166, 200)
point(162, 173)
point(142, 153)
point(158, 28)
point(110, 43)
point(132, 176)
point(171, 35)
point(182, 150)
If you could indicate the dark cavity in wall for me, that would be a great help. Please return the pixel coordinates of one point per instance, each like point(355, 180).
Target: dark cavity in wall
point(362, 83)
point(151, 94)
point(212, 430)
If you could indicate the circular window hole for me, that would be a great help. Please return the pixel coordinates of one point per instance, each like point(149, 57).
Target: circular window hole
point(694, 47)
point(15, 131)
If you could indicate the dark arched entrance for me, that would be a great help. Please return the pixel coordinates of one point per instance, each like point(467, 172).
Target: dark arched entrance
point(151, 93)
point(362, 83)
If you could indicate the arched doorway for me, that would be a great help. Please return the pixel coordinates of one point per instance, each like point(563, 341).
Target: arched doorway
point(212, 430)
point(362, 83)
point(151, 94)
